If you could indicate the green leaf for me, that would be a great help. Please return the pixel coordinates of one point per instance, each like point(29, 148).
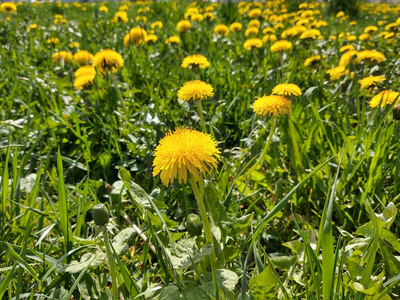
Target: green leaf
point(171, 292)
point(119, 242)
point(243, 222)
point(87, 260)
point(263, 286)
point(215, 205)
point(196, 292)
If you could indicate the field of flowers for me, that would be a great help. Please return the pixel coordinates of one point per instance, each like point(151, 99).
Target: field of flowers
point(193, 150)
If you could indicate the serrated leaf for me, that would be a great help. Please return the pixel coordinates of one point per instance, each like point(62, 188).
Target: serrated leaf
point(196, 292)
point(243, 222)
point(263, 286)
point(119, 242)
point(171, 292)
point(88, 259)
point(217, 209)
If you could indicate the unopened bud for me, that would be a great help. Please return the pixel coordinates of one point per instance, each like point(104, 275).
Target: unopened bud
point(396, 111)
point(100, 214)
point(194, 225)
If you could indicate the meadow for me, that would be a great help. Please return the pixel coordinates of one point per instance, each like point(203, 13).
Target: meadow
point(197, 150)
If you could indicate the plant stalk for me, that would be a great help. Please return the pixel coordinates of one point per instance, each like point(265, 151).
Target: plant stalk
point(111, 263)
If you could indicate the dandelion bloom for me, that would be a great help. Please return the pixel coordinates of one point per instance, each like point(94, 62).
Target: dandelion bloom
point(236, 27)
point(108, 61)
point(251, 31)
point(209, 16)
point(137, 35)
point(312, 60)
point(255, 13)
point(195, 61)
point(364, 37)
point(370, 81)
point(346, 48)
point(151, 38)
point(336, 73)
point(281, 46)
point(85, 70)
point(32, 27)
point(197, 18)
point(103, 8)
point(370, 29)
point(53, 41)
point(268, 30)
point(347, 57)
point(8, 7)
point(254, 23)
point(156, 24)
point(286, 89)
point(269, 38)
point(74, 45)
point(121, 17)
point(384, 98)
point(370, 56)
point(83, 57)
point(195, 90)
point(252, 44)
point(351, 38)
point(221, 30)
point(62, 56)
point(311, 34)
point(183, 25)
point(185, 152)
point(84, 81)
point(272, 105)
point(173, 40)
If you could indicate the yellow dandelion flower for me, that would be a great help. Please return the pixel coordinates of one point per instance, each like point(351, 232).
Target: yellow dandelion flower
point(195, 61)
point(252, 44)
point(370, 56)
point(311, 34)
point(173, 40)
point(185, 152)
point(85, 70)
point(8, 7)
point(183, 25)
point(209, 16)
point(251, 31)
point(272, 105)
point(346, 48)
point(121, 17)
point(287, 89)
point(74, 45)
point(347, 57)
point(370, 81)
point(83, 57)
point(392, 26)
point(254, 23)
point(312, 60)
point(137, 35)
point(351, 38)
point(195, 90)
point(281, 46)
point(151, 38)
point(156, 25)
point(197, 18)
point(364, 37)
point(103, 8)
point(221, 30)
point(268, 30)
point(384, 98)
point(370, 29)
point(84, 81)
point(269, 38)
point(62, 56)
point(108, 61)
point(336, 73)
point(52, 41)
point(32, 27)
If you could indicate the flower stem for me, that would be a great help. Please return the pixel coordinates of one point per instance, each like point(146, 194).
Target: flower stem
point(111, 264)
point(200, 110)
point(203, 213)
point(266, 148)
point(119, 95)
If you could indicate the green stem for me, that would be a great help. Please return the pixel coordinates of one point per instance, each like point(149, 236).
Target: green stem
point(111, 264)
point(119, 95)
point(200, 109)
point(297, 158)
point(203, 213)
point(266, 148)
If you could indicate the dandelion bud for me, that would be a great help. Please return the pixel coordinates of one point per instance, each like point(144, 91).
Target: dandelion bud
point(396, 111)
point(100, 214)
point(194, 225)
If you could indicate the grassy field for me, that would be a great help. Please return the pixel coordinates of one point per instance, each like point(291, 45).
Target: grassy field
point(177, 150)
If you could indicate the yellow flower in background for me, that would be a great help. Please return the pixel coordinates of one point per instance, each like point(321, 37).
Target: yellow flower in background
point(209, 16)
point(32, 27)
point(392, 26)
point(137, 35)
point(336, 73)
point(103, 8)
point(269, 38)
point(221, 30)
point(370, 29)
point(8, 7)
point(195, 61)
point(268, 30)
point(384, 98)
point(151, 38)
point(53, 41)
point(371, 81)
point(287, 89)
point(340, 14)
point(142, 19)
point(183, 25)
point(252, 44)
point(108, 61)
point(351, 38)
point(85, 70)
point(195, 90)
point(74, 45)
point(370, 56)
point(62, 56)
point(255, 13)
point(123, 7)
point(347, 57)
point(173, 40)
point(197, 18)
point(83, 57)
point(254, 23)
point(364, 37)
point(121, 17)
point(281, 46)
point(312, 60)
point(311, 34)
point(84, 81)
point(251, 31)
point(184, 153)
point(156, 25)
point(272, 105)
point(346, 48)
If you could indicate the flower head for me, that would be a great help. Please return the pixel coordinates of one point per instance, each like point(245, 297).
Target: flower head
point(272, 105)
point(384, 98)
point(185, 152)
point(121, 17)
point(312, 34)
point(8, 7)
point(269, 38)
point(62, 56)
point(183, 25)
point(281, 46)
point(83, 57)
point(252, 44)
point(53, 41)
point(173, 40)
point(108, 61)
point(312, 60)
point(370, 81)
point(346, 48)
point(156, 24)
point(221, 30)
point(251, 31)
point(370, 29)
point(84, 81)
point(336, 73)
point(151, 38)
point(195, 61)
point(370, 56)
point(85, 70)
point(286, 89)
point(195, 90)
point(236, 27)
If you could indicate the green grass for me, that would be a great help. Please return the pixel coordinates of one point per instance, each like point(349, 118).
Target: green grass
point(301, 206)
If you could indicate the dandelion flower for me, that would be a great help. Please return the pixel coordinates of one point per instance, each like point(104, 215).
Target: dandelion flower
point(121, 17)
point(156, 25)
point(251, 31)
point(137, 35)
point(8, 7)
point(221, 30)
point(312, 60)
point(53, 41)
point(195, 90)
point(269, 38)
point(364, 37)
point(254, 23)
point(103, 8)
point(272, 105)
point(173, 40)
point(346, 48)
point(370, 56)
point(62, 56)
point(236, 27)
point(183, 153)
point(281, 46)
point(85, 70)
point(384, 98)
point(183, 25)
point(311, 34)
point(347, 57)
point(32, 27)
point(371, 81)
point(84, 82)
point(255, 13)
point(370, 29)
point(108, 61)
point(151, 38)
point(286, 89)
point(83, 57)
point(252, 44)
point(336, 73)
point(195, 61)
